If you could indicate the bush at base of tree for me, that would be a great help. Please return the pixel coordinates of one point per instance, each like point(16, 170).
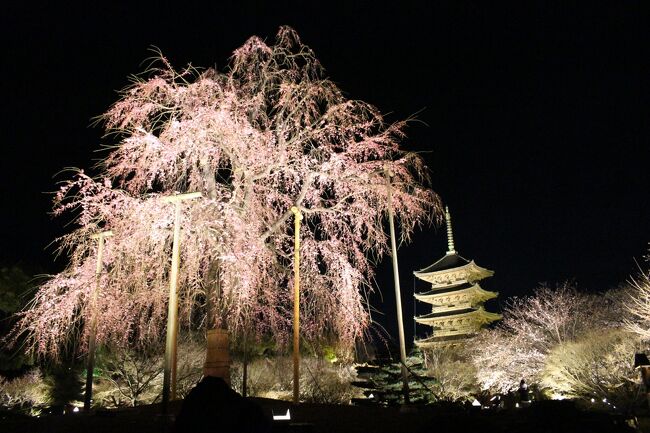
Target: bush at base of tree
point(321, 381)
point(27, 393)
point(52, 389)
point(454, 373)
point(597, 366)
point(65, 385)
point(128, 377)
point(533, 326)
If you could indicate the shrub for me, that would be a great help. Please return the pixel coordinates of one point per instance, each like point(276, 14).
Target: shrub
point(597, 366)
point(320, 380)
point(129, 377)
point(25, 392)
point(454, 372)
point(533, 326)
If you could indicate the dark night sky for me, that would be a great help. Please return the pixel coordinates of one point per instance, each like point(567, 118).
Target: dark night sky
point(534, 117)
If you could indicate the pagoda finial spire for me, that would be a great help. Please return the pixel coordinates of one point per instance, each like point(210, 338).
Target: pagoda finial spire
point(450, 233)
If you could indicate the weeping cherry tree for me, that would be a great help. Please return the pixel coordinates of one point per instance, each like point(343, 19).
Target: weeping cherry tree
point(268, 133)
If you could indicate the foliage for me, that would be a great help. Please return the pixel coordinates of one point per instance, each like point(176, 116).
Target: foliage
point(599, 366)
point(269, 133)
point(127, 377)
point(15, 287)
point(454, 373)
point(532, 327)
point(64, 383)
point(189, 371)
point(503, 358)
point(50, 387)
point(14, 282)
point(24, 392)
point(325, 382)
point(384, 384)
point(639, 306)
point(320, 380)
point(130, 377)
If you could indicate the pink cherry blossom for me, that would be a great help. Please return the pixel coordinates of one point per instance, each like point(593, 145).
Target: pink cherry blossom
point(268, 133)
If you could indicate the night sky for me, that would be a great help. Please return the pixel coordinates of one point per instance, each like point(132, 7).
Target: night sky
point(534, 119)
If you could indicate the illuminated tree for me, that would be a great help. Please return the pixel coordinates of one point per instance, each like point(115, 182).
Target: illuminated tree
point(598, 366)
point(128, 377)
point(639, 306)
point(269, 133)
point(532, 327)
point(454, 374)
point(502, 358)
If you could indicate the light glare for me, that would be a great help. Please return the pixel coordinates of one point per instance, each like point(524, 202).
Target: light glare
point(284, 417)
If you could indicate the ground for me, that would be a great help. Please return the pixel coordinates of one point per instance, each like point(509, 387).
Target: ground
point(318, 418)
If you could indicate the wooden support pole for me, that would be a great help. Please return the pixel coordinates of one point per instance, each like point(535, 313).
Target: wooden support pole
point(244, 382)
point(296, 305)
point(398, 295)
point(90, 362)
point(171, 341)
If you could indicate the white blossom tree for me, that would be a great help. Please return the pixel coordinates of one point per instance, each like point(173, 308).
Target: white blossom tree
point(503, 358)
point(597, 366)
point(532, 327)
point(639, 306)
point(454, 373)
point(270, 132)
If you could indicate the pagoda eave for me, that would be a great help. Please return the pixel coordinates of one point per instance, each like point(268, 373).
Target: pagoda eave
point(477, 293)
point(447, 277)
point(479, 316)
point(437, 341)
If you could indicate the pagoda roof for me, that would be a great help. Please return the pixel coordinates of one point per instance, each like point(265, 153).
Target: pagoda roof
point(447, 313)
point(464, 288)
point(478, 313)
point(448, 289)
point(450, 260)
point(452, 270)
point(433, 339)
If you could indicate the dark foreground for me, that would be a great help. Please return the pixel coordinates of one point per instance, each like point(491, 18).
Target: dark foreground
point(317, 418)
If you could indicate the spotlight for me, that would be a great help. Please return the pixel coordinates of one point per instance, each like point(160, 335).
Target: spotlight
point(284, 417)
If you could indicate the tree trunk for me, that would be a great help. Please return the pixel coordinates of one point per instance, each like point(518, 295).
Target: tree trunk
point(217, 357)
point(244, 387)
point(212, 294)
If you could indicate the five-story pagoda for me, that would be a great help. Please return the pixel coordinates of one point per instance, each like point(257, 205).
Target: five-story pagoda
point(455, 296)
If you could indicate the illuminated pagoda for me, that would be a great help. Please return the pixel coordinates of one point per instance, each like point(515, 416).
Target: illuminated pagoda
point(455, 296)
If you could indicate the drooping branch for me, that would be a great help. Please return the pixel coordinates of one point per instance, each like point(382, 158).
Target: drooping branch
point(269, 133)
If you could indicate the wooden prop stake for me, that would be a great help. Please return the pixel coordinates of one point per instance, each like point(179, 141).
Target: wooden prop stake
point(171, 342)
point(398, 295)
point(296, 305)
point(90, 362)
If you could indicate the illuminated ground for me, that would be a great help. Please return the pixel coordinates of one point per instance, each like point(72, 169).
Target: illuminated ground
point(550, 417)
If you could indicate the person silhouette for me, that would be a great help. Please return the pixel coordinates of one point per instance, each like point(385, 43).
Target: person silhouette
point(523, 391)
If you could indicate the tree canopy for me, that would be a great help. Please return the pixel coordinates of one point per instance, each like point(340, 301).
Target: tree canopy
point(268, 133)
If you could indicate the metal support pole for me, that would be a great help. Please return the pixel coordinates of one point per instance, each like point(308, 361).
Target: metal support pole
point(169, 374)
point(90, 362)
point(296, 305)
point(398, 296)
